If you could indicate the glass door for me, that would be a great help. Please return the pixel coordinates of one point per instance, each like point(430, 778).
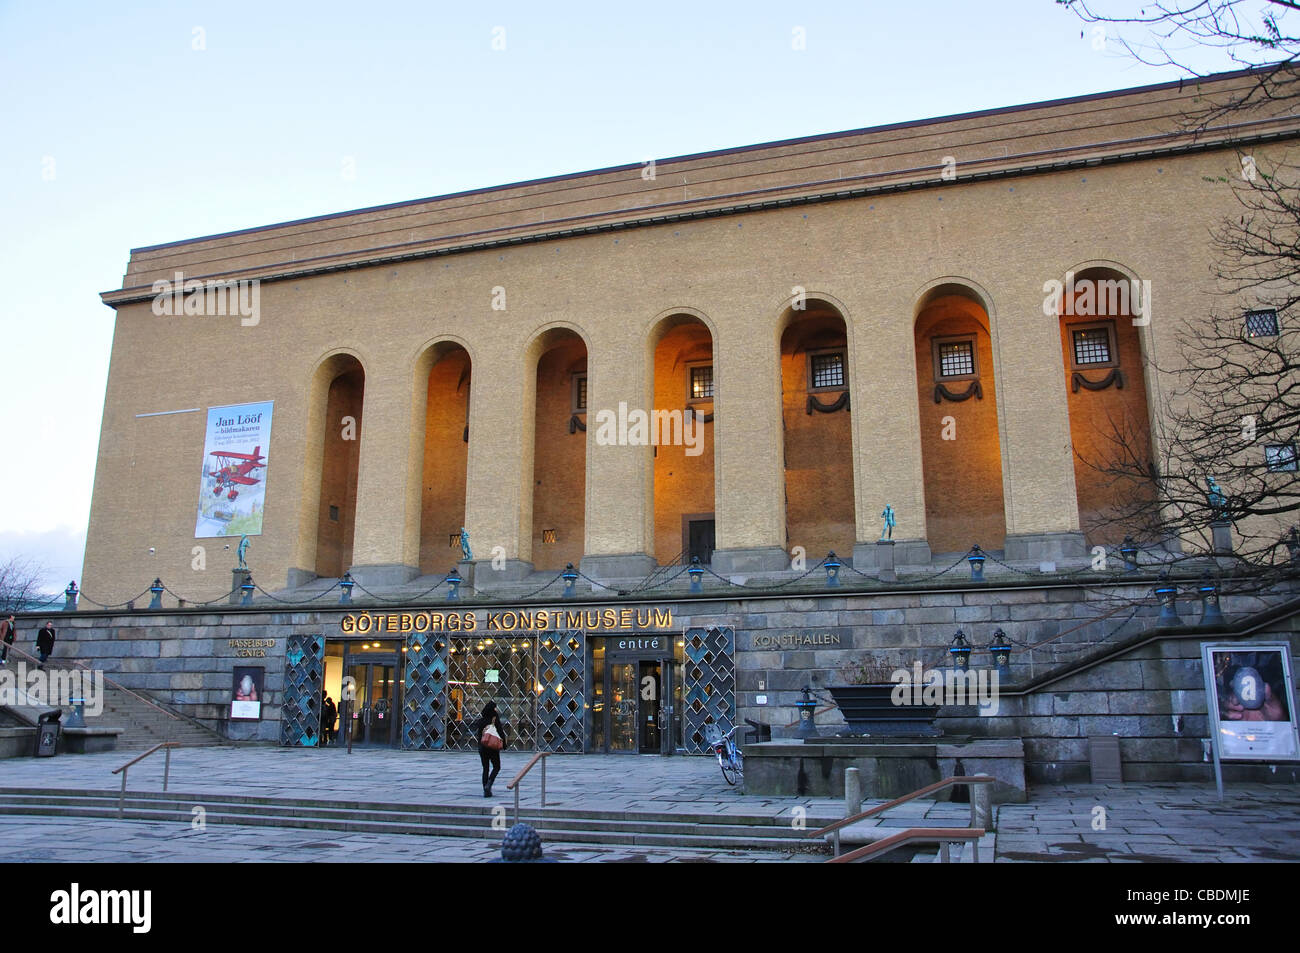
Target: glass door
point(374, 677)
point(622, 706)
point(649, 709)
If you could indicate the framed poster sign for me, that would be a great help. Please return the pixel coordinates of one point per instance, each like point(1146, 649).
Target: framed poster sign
point(1250, 700)
point(246, 693)
point(232, 479)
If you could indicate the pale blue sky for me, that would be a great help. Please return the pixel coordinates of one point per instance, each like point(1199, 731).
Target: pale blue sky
point(116, 132)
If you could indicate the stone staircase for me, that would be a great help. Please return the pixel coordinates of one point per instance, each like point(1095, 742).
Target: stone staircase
point(144, 722)
point(556, 825)
point(145, 726)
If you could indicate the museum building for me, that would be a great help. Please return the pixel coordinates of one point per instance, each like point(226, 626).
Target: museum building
point(740, 358)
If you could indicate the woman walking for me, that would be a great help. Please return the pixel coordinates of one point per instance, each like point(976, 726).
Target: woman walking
point(491, 739)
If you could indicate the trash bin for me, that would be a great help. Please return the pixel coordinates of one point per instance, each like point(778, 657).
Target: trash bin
point(758, 732)
point(47, 733)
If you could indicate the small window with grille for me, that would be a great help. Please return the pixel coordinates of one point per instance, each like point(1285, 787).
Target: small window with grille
point(1261, 324)
point(954, 359)
point(453, 540)
point(1093, 345)
point(548, 536)
point(1280, 456)
point(701, 382)
point(827, 370)
point(579, 393)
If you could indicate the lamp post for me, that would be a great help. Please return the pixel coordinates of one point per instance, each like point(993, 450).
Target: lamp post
point(1000, 649)
point(247, 589)
point(807, 708)
point(570, 577)
point(976, 560)
point(1167, 593)
point(1128, 550)
point(1293, 545)
point(960, 652)
point(1210, 612)
point(696, 572)
point(453, 583)
point(157, 590)
point(70, 597)
point(346, 584)
point(832, 569)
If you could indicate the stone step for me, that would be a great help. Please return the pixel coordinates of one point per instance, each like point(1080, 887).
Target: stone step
point(417, 819)
point(647, 829)
point(777, 823)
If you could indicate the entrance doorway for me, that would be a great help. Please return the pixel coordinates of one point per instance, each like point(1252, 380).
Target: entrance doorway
point(698, 537)
point(376, 678)
point(636, 698)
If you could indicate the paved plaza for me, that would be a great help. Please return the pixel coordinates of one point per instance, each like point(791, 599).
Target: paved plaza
point(85, 840)
point(1097, 823)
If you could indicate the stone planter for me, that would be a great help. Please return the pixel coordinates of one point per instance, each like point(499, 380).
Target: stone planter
point(870, 710)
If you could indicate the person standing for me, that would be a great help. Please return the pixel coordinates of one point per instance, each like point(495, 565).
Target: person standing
point(489, 749)
point(45, 643)
point(6, 638)
point(328, 714)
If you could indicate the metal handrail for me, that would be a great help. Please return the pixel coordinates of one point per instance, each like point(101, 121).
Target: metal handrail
point(514, 785)
point(167, 766)
point(944, 835)
point(881, 808)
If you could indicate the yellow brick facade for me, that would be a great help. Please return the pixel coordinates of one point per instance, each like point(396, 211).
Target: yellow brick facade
point(457, 302)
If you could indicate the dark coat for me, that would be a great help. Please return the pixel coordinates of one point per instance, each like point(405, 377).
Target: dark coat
point(480, 726)
point(45, 640)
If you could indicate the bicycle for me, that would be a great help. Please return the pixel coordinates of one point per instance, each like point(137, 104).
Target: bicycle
point(730, 760)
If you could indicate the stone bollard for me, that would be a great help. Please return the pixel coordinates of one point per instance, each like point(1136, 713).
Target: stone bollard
point(852, 792)
point(981, 806)
point(238, 579)
point(885, 560)
point(522, 845)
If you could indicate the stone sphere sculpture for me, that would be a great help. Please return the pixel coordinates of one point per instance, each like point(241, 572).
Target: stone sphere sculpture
point(522, 843)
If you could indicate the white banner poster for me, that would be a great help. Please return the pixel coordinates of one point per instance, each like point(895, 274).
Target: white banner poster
point(1251, 701)
point(232, 488)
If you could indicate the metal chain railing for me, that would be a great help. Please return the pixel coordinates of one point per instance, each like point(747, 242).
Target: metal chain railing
point(298, 602)
point(209, 602)
point(768, 588)
point(115, 605)
point(654, 581)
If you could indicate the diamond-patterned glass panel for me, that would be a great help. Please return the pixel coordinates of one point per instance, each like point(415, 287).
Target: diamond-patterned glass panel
point(499, 668)
point(710, 682)
point(304, 674)
point(560, 701)
point(424, 721)
point(1261, 324)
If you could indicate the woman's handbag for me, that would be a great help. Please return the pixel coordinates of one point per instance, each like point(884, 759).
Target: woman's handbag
point(491, 739)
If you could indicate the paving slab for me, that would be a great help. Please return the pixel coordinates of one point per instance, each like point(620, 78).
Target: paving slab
point(1153, 822)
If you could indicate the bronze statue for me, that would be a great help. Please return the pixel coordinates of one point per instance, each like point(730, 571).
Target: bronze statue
point(887, 531)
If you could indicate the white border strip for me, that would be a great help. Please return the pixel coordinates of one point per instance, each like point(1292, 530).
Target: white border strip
point(164, 413)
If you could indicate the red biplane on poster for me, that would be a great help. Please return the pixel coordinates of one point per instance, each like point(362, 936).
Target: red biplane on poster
point(235, 470)
point(232, 493)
